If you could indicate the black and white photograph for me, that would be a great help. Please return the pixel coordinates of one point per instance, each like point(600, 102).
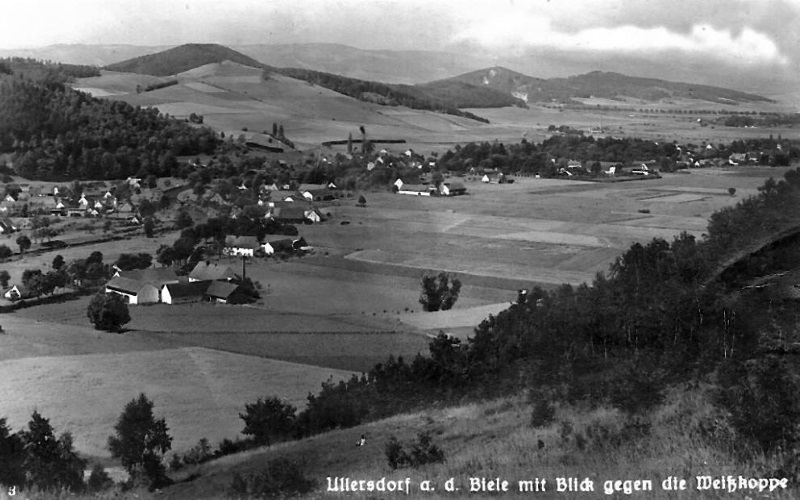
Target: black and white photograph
point(377, 249)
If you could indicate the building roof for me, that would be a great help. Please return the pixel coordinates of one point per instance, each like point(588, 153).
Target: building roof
point(289, 212)
point(127, 285)
point(221, 289)
point(422, 188)
point(232, 241)
point(188, 289)
point(206, 270)
point(155, 276)
point(456, 186)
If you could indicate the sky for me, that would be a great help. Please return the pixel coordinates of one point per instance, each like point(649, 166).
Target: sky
point(745, 35)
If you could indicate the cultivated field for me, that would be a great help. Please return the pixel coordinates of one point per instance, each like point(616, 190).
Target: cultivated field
point(198, 391)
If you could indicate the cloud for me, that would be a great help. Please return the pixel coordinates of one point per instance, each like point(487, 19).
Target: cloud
point(747, 46)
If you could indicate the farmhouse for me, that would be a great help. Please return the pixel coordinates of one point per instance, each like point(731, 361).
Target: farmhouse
point(6, 226)
point(134, 291)
point(274, 243)
point(16, 292)
point(211, 271)
point(452, 189)
point(416, 189)
point(152, 275)
point(183, 293)
point(245, 246)
point(290, 214)
point(227, 293)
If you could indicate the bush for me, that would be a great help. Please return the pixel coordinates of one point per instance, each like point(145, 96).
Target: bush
point(422, 452)
point(543, 413)
point(198, 454)
point(282, 478)
point(99, 479)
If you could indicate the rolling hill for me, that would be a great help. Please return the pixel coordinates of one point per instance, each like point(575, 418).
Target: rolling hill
point(183, 58)
point(594, 84)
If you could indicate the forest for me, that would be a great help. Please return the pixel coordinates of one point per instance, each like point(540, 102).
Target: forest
point(58, 134)
point(400, 95)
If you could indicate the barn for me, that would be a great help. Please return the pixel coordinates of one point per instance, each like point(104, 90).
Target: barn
point(133, 291)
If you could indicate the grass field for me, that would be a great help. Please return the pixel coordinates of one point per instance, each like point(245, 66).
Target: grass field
point(199, 391)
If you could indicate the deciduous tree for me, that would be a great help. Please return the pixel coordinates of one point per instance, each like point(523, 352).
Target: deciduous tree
point(439, 292)
point(108, 312)
point(140, 442)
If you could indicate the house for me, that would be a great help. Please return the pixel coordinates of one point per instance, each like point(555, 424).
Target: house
point(183, 293)
point(227, 293)
point(318, 195)
point(211, 271)
point(134, 291)
point(416, 189)
point(245, 246)
point(16, 292)
point(313, 215)
point(285, 213)
point(6, 226)
point(452, 189)
point(156, 276)
point(274, 243)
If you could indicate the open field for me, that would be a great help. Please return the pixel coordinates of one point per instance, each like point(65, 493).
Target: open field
point(198, 391)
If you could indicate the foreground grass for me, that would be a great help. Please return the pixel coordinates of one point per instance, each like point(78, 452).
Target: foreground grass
point(685, 438)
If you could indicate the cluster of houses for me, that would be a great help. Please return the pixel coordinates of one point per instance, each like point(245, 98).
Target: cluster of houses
point(250, 246)
point(208, 281)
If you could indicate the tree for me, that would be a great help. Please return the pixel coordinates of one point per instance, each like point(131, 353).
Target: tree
point(362, 202)
point(147, 208)
point(165, 255)
point(183, 220)
point(268, 419)
point(95, 256)
point(140, 442)
point(12, 457)
point(149, 227)
point(5, 252)
point(24, 243)
point(131, 261)
point(732, 191)
point(4, 278)
point(50, 464)
point(108, 312)
point(58, 262)
point(439, 292)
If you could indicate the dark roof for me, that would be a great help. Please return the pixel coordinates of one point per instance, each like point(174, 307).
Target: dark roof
point(155, 276)
point(456, 186)
point(211, 271)
point(127, 285)
point(289, 213)
point(422, 188)
point(221, 289)
point(189, 289)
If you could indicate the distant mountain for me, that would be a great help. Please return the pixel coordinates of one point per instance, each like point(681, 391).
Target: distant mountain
point(183, 58)
point(596, 84)
point(386, 66)
point(95, 55)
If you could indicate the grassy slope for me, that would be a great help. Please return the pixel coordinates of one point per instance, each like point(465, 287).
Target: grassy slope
point(494, 439)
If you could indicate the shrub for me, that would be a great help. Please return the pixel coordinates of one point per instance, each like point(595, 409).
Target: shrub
point(198, 454)
point(543, 413)
point(281, 479)
point(99, 479)
point(422, 452)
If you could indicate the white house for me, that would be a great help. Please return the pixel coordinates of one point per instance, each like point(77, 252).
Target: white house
point(134, 291)
point(241, 246)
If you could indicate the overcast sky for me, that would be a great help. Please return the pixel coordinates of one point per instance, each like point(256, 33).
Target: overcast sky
point(761, 35)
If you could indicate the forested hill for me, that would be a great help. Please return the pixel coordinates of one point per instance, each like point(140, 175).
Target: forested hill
point(183, 58)
point(596, 84)
point(56, 133)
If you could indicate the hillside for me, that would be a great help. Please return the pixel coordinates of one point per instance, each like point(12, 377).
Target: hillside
point(183, 58)
point(597, 84)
